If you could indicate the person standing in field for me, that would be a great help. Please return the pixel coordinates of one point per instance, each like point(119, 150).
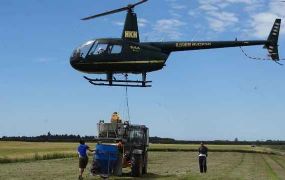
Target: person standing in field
point(83, 157)
point(203, 154)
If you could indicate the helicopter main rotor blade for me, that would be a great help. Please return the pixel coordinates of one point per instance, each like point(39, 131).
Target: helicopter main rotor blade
point(138, 3)
point(130, 6)
point(106, 13)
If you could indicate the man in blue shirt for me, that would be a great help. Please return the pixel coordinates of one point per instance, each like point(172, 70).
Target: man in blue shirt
point(83, 157)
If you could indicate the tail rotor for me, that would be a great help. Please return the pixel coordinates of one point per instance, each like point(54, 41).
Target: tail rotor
point(272, 41)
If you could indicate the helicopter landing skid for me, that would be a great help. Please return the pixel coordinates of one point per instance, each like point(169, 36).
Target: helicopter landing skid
point(115, 82)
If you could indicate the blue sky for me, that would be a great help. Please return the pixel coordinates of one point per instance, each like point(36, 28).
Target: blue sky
point(199, 95)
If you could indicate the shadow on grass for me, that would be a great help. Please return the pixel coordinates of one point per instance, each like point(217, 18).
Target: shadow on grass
point(145, 176)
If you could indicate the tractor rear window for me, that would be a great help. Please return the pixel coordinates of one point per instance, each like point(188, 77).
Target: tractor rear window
point(136, 135)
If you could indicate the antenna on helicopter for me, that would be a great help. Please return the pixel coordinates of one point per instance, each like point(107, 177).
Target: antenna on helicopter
point(129, 7)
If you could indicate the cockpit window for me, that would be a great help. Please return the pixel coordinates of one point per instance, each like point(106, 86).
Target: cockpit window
point(98, 49)
point(115, 49)
point(84, 48)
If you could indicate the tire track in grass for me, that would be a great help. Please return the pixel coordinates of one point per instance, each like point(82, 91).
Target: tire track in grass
point(250, 166)
point(243, 170)
point(234, 166)
point(241, 161)
point(259, 168)
point(219, 165)
point(278, 160)
point(271, 165)
point(279, 167)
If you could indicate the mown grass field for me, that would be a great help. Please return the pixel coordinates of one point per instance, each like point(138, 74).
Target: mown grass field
point(28, 150)
point(162, 164)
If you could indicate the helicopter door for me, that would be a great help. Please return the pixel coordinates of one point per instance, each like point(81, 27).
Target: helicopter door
point(115, 49)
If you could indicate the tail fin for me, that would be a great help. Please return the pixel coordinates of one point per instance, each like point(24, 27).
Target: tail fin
point(272, 41)
point(131, 32)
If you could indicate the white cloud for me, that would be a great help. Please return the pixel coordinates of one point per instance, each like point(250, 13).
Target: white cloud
point(228, 1)
point(178, 6)
point(218, 18)
point(261, 22)
point(142, 22)
point(45, 60)
point(278, 8)
point(226, 14)
point(119, 23)
point(174, 14)
point(169, 28)
point(208, 7)
point(192, 13)
point(241, 1)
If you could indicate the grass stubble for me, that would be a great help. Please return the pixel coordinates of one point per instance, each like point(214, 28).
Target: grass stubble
point(47, 163)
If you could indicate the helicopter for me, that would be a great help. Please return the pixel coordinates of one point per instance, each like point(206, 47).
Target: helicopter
point(127, 55)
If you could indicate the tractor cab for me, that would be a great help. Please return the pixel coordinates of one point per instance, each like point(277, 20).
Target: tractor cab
point(110, 157)
point(138, 134)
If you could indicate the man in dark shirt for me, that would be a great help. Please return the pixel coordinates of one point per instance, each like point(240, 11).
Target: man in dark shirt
point(203, 154)
point(83, 157)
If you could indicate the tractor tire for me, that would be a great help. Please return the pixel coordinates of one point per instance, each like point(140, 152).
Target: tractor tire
point(137, 165)
point(144, 170)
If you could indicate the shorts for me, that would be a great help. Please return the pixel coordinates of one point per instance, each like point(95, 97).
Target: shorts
point(83, 161)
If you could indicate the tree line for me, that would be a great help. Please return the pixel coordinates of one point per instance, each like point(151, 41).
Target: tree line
point(219, 142)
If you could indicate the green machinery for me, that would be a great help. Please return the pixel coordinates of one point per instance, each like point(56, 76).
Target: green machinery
point(121, 145)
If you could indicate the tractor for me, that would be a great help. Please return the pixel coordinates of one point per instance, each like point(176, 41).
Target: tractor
point(120, 145)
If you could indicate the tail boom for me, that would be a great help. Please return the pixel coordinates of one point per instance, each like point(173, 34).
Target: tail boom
point(271, 43)
point(197, 45)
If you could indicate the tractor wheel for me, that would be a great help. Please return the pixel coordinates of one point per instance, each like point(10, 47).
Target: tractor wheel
point(137, 165)
point(144, 170)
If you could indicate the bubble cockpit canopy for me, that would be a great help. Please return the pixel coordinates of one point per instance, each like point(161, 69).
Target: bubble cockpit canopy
point(95, 47)
point(83, 49)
